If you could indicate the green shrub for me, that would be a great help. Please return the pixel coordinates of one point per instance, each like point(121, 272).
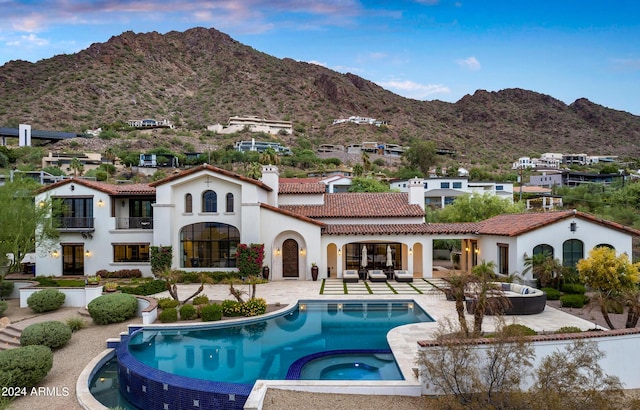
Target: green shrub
point(201, 300)
point(76, 323)
point(147, 288)
point(46, 281)
point(112, 308)
point(614, 306)
point(231, 308)
point(572, 301)
point(552, 293)
point(52, 334)
point(6, 287)
point(168, 315)
point(210, 313)
point(46, 300)
point(3, 306)
point(574, 288)
point(188, 312)
point(166, 303)
point(254, 307)
point(569, 329)
point(27, 365)
point(518, 330)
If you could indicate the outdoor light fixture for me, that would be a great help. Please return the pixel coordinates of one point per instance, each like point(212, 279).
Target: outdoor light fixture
point(339, 252)
point(301, 251)
point(410, 251)
point(73, 187)
point(123, 203)
point(41, 204)
point(55, 253)
point(466, 249)
point(100, 203)
point(476, 250)
point(573, 227)
point(87, 253)
point(278, 252)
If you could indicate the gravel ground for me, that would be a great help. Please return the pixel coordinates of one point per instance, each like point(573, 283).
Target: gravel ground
point(69, 362)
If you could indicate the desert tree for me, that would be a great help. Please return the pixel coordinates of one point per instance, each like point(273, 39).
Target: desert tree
point(609, 275)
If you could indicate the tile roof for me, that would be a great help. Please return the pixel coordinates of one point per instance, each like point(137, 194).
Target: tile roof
point(360, 205)
point(516, 224)
point(301, 188)
point(207, 167)
point(398, 229)
point(110, 189)
point(291, 214)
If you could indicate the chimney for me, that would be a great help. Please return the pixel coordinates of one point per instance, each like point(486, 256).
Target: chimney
point(271, 178)
point(416, 192)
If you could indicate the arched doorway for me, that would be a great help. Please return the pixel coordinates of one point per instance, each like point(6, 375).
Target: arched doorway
point(290, 259)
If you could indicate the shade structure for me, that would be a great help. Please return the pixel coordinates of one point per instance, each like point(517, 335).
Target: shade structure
point(389, 257)
point(363, 262)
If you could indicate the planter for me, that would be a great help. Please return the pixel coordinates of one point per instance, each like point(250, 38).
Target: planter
point(265, 272)
point(314, 273)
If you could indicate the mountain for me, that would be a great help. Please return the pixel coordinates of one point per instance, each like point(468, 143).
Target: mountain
point(202, 76)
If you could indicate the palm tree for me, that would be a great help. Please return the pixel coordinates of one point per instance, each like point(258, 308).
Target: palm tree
point(457, 286)
point(269, 157)
point(76, 166)
point(488, 295)
point(254, 171)
point(544, 268)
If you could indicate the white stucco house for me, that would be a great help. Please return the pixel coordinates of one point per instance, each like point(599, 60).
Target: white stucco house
point(204, 212)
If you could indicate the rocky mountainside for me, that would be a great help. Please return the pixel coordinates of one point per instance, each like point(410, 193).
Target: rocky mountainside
point(202, 76)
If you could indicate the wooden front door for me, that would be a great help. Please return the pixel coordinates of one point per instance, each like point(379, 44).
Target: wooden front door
point(73, 259)
point(290, 259)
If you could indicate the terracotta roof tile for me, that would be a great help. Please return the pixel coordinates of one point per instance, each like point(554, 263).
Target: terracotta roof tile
point(516, 224)
point(360, 205)
point(302, 188)
point(398, 229)
point(110, 189)
point(291, 214)
point(211, 168)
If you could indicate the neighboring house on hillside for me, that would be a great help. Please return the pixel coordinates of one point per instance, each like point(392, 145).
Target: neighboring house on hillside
point(253, 124)
point(204, 212)
point(440, 192)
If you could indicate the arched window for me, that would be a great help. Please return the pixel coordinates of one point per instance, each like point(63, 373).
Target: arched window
point(188, 203)
point(604, 245)
point(229, 202)
point(543, 248)
point(209, 201)
point(572, 252)
point(209, 244)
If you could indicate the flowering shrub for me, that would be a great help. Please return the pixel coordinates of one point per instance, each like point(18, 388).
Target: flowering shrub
point(232, 308)
point(249, 258)
point(254, 307)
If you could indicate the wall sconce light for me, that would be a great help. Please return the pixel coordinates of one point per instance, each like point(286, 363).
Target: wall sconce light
point(278, 252)
point(73, 187)
point(55, 253)
point(466, 249)
point(525, 256)
point(410, 251)
point(100, 203)
point(476, 250)
point(302, 251)
point(573, 227)
point(339, 252)
point(123, 203)
point(87, 253)
point(41, 204)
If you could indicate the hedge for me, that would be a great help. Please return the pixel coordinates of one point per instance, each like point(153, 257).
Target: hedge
point(46, 300)
point(146, 289)
point(166, 303)
point(168, 315)
point(211, 312)
point(574, 288)
point(113, 308)
point(26, 366)
point(573, 301)
point(188, 312)
point(552, 293)
point(52, 334)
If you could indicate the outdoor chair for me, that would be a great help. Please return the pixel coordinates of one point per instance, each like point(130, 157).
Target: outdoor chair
point(350, 276)
point(403, 276)
point(377, 275)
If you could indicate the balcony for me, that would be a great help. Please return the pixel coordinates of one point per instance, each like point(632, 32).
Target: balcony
point(70, 223)
point(134, 223)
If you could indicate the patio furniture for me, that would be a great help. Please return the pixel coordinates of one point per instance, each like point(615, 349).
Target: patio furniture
point(403, 276)
point(350, 276)
point(525, 300)
point(377, 275)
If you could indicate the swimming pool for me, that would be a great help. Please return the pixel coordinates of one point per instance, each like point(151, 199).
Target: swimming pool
point(227, 359)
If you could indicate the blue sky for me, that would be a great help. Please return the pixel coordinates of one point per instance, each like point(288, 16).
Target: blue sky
point(422, 49)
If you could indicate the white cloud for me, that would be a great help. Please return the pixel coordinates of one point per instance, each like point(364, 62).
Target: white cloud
point(317, 63)
point(470, 63)
point(411, 89)
point(28, 41)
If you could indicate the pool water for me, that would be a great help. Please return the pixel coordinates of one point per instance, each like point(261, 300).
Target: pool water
point(347, 366)
point(266, 349)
